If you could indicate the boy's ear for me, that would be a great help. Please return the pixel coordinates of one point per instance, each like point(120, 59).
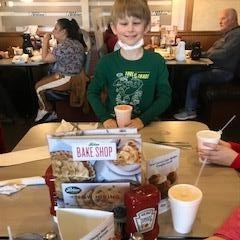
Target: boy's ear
point(147, 28)
point(113, 28)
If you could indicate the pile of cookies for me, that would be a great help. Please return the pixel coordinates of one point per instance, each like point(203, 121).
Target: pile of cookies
point(100, 197)
point(66, 170)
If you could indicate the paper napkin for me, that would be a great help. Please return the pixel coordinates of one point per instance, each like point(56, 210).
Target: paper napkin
point(8, 187)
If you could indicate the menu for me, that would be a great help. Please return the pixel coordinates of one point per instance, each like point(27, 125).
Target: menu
point(94, 168)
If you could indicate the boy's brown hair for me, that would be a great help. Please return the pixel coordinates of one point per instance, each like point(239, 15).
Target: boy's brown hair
point(131, 8)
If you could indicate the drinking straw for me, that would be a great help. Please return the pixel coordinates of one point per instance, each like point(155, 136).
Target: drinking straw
point(10, 236)
point(205, 160)
point(200, 171)
point(229, 121)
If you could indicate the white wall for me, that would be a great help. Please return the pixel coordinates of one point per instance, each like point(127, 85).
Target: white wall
point(206, 12)
point(178, 13)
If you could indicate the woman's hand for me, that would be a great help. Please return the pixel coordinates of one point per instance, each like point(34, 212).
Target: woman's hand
point(47, 56)
point(136, 123)
point(220, 154)
point(110, 123)
point(46, 38)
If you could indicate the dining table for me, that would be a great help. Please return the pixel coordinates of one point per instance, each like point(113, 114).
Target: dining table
point(34, 71)
point(28, 209)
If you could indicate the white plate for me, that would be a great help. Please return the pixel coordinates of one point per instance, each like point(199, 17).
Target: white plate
point(125, 170)
point(18, 62)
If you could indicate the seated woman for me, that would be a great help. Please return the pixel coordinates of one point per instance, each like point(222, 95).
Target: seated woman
point(66, 60)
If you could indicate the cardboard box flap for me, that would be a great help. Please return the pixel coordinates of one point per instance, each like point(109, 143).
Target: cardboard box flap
point(85, 224)
point(152, 151)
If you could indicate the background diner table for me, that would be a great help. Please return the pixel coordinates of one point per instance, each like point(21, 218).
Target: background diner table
point(28, 210)
point(34, 70)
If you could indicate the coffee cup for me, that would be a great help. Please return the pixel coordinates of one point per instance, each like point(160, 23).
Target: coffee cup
point(207, 136)
point(123, 114)
point(184, 202)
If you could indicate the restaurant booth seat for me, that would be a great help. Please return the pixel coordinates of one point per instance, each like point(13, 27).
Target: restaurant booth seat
point(219, 102)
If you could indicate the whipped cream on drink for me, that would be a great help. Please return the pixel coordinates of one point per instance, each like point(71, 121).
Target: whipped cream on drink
point(185, 193)
point(208, 134)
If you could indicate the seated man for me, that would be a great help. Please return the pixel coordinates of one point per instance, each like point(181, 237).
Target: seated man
point(225, 53)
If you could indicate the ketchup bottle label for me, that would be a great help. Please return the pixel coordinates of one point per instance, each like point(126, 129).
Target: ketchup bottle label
point(144, 220)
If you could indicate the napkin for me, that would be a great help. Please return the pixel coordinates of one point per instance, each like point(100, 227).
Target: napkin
point(69, 127)
point(8, 187)
point(98, 225)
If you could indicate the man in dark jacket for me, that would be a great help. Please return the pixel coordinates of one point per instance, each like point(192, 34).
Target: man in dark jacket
point(225, 53)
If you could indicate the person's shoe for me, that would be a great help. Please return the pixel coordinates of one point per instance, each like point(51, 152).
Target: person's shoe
point(51, 117)
point(185, 115)
point(41, 114)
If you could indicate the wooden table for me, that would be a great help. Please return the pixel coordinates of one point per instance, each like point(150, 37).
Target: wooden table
point(28, 210)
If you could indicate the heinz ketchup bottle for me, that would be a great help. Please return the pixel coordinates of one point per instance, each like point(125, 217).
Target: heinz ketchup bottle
point(142, 211)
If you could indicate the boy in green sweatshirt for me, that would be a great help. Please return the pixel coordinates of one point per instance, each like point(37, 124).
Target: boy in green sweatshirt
point(130, 75)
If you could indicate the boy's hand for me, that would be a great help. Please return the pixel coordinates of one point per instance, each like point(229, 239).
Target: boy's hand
point(136, 123)
point(110, 123)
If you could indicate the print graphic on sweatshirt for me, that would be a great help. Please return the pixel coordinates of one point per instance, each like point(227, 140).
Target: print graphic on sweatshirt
point(129, 88)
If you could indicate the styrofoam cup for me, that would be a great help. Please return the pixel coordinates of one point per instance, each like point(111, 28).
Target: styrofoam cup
point(123, 114)
point(207, 136)
point(184, 202)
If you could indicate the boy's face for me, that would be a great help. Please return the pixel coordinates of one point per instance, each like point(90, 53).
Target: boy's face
point(129, 30)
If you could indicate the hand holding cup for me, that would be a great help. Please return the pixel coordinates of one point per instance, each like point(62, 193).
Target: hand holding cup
point(207, 136)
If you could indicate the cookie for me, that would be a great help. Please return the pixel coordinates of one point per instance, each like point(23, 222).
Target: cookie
point(84, 200)
point(163, 188)
point(106, 197)
point(172, 177)
point(64, 166)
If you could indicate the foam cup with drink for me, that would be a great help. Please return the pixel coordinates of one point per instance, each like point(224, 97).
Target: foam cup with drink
point(207, 136)
point(184, 202)
point(123, 114)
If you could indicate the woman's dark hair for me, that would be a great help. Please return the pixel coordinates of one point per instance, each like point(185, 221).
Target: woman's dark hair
point(73, 29)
